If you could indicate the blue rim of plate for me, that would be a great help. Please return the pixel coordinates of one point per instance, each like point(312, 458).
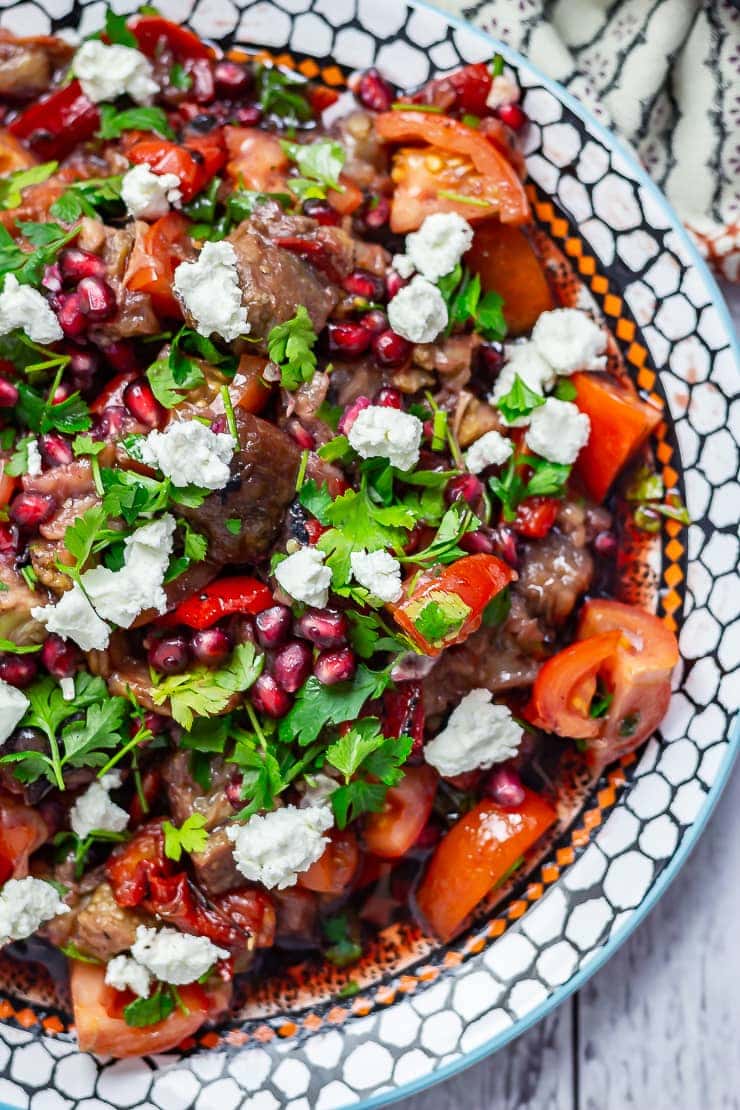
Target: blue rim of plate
point(691, 837)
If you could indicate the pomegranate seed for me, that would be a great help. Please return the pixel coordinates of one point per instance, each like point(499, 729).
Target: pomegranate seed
point(605, 544)
point(394, 283)
point(72, 319)
point(416, 535)
point(389, 398)
point(305, 439)
point(504, 786)
point(231, 80)
point(273, 626)
point(351, 413)
point(390, 349)
point(241, 629)
point(141, 403)
point(292, 665)
point(269, 698)
point(76, 264)
point(8, 539)
point(315, 530)
point(376, 213)
point(61, 393)
point(97, 298)
point(505, 546)
point(170, 656)
point(233, 791)
point(55, 450)
point(249, 116)
point(466, 487)
point(220, 424)
point(210, 646)
point(477, 543)
point(364, 284)
point(375, 321)
point(18, 670)
point(122, 356)
point(335, 666)
point(322, 212)
point(326, 628)
point(83, 365)
point(512, 115)
point(348, 340)
point(374, 92)
point(155, 722)
point(60, 657)
point(112, 420)
point(489, 361)
point(28, 510)
point(8, 394)
point(52, 279)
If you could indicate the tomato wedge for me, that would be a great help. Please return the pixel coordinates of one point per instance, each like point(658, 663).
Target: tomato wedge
point(152, 32)
point(54, 125)
point(475, 856)
point(102, 1029)
point(479, 172)
point(194, 162)
point(507, 264)
point(566, 684)
point(334, 871)
point(444, 606)
point(407, 807)
point(238, 594)
point(620, 424)
point(156, 253)
point(256, 160)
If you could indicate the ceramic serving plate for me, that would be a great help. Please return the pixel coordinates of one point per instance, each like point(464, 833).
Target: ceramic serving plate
point(424, 1011)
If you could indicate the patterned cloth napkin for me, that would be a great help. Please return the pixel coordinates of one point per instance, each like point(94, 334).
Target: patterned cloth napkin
point(665, 75)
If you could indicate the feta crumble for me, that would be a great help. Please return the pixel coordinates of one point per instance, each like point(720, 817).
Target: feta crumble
point(125, 973)
point(13, 705)
point(25, 904)
point(378, 572)
point(107, 72)
point(304, 576)
point(121, 595)
point(94, 809)
point(478, 734)
point(558, 431)
point(524, 361)
point(73, 618)
point(380, 432)
point(504, 90)
point(210, 291)
point(492, 449)
point(148, 195)
point(34, 462)
point(188, 453)
point(569, 340)
point(275, 848)
point(439, 244)
point(403, 265)
point(418, 311)
point(21, 306)
point(174, 957)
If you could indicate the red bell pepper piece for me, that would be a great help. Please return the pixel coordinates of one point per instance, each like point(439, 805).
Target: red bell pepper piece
point(194, 162)
point(53, 126)
point(151, 30)
point(403, 713)
point(240, 594)
point(535, 516)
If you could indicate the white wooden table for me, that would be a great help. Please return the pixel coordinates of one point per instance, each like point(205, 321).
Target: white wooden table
point(657, 1027)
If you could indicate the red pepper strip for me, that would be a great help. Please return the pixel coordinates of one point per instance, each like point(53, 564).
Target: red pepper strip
point(535, 516)
point(53, 126)
point(403, 714)
point(314, 251)
point(151, 30)
point(240, 594)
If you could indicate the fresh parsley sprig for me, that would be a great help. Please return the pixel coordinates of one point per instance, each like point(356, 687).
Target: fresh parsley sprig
point(113, 123)
point(46, 239)
point(191, 836)
point(320, 163)
point(291, 346)
point(95, 197)
point(204, 692)
point(174, 375)
point(12, 186)
point(519, 401)
point(462, 293)
point(370, 763)
point(280, 94)
point(528, 476)
point(317, 706)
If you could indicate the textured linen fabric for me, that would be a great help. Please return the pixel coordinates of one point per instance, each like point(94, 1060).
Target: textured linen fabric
point(665, 75)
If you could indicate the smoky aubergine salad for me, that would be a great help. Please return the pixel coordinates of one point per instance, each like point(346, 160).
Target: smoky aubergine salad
point(312, 491)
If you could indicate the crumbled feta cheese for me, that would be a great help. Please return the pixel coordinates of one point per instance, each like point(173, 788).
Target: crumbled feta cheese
point(378, 572)
point(275, 848)
point(22, 306)
point(94, 809)
point(418, 311)
point(569, 340)
point(304, 576)
point(211, 292)
point(124, 973)
point(188, 453)
point(107, 72)
point(439, 244)
point(503, 90)
point(524, 361)
point(121, 595)
point(34, 462)
point(73, 618)
point(25, 904)
point(478, 734)
point(380, 432)
point(67, 686)
point(13, 705)
point(403, 265)
point(491, 449)
point(558, 431)
point(148, 195)
point(174, 957)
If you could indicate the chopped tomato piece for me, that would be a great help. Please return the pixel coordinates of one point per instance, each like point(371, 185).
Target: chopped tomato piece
point(444, 606)
point(348, 200)
point(507, 264)
point(252, 910)
point(156, 253)
point(248, 389)
point(195, 162)
point(152, 33)
point(406, 810)
point(566, 684)
point(55, 124)
point(8, 486)
point(238, 594)
point(22, 831)
point(535, 516)
point(256, 160)
point(334, 871)
point(620, 424)
point(403, 713)
point(476, 855)
point(102, 1029)
point(132, 866)
point(455, 159)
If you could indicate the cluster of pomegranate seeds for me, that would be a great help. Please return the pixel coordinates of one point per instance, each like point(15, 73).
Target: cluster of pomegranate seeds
point(91, 298)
